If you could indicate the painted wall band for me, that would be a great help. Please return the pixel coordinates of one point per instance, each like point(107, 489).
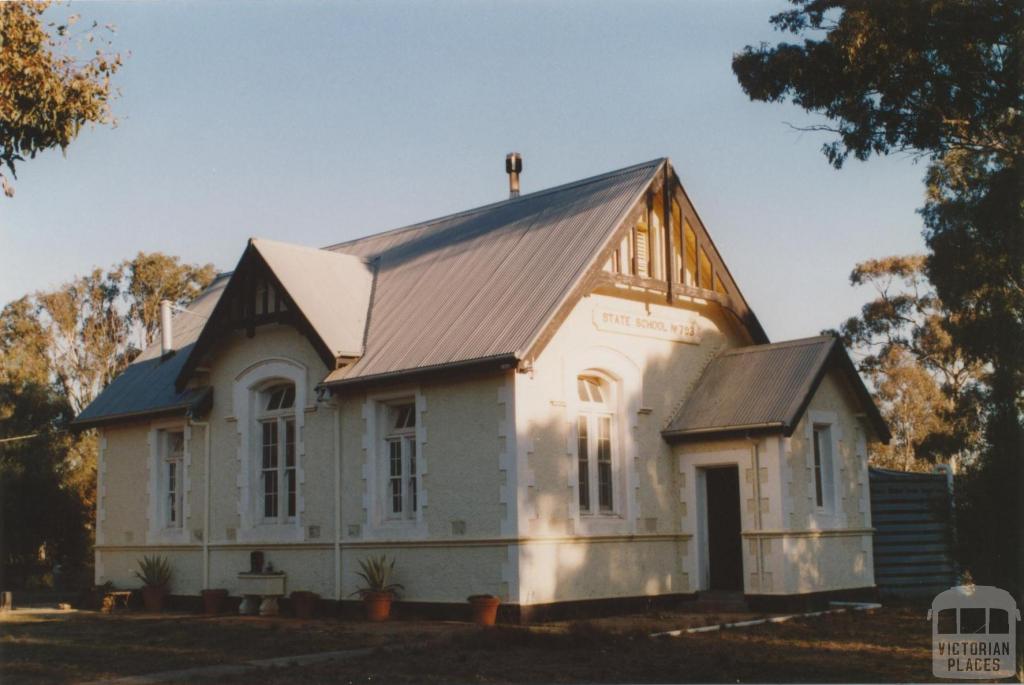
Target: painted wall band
point(381, 544)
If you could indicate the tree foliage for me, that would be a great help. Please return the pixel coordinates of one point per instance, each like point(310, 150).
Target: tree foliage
point(58, 350)
point(96, 324)
point(47, 90)
point(906, 75)
point(929, 391)
point(941, 80)
point(154, 277)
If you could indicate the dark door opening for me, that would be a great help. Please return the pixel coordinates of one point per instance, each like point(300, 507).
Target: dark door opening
point(725, 550)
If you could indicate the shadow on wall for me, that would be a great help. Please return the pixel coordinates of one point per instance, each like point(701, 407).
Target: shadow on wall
point(602, 569)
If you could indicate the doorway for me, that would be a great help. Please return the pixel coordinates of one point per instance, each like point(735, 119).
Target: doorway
point(724, 545)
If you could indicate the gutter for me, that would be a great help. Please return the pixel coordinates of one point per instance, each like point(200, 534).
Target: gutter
point(191, 407)
point(727, 431)
point(498, 361)
point(337, 499)
point(205, 425)
point(755, 454)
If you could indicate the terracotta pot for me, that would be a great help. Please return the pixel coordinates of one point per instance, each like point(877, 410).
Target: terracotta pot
point(304, 603)
point(378, 605)
point(485, 609)
point(213, 600)
point(153, 597)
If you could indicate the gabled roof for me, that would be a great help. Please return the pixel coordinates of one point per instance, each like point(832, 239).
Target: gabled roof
point(483, 284)
point(766, 388)
point(328, 293)
point(146, 387)
point(331, 289)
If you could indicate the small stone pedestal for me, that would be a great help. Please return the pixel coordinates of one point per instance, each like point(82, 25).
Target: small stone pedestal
point(260, 592)
point(250, 605)
point(268, 607)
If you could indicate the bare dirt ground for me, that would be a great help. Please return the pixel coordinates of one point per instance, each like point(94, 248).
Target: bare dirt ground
point(891, 644)
point(82, 646)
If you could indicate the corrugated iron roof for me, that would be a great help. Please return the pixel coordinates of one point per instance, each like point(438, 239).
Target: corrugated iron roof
point(482, 284)
point(147, 385)
point(765, 388)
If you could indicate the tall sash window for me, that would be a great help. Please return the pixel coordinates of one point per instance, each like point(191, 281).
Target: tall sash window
point(595, 445)
point(402, 495)
point(276, 422)
point(173, 452)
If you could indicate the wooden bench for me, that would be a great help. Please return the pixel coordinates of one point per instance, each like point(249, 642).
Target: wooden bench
point(116, 600)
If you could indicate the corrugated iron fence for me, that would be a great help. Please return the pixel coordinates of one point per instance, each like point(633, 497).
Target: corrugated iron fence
point(913, 544)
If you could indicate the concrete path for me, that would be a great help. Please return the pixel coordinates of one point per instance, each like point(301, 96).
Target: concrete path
point(838, 608)
point(200, 672)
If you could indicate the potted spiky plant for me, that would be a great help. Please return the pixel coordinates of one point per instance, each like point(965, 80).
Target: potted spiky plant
point(155, 574)
point(378, 591)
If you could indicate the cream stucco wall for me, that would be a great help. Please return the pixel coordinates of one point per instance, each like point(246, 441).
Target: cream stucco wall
point(496, 454)
point(453, 553)
point(789, 546)
point(837, 552)
point(643, 548)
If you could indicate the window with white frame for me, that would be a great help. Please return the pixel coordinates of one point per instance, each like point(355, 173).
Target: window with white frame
point(401, 496)
point(823, 472)
point(275, 421)
point(172, 461)
point(595, 427)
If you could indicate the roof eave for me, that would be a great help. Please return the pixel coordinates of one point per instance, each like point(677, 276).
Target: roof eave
point(495, 362)
point(199, 405)
point(723, 432)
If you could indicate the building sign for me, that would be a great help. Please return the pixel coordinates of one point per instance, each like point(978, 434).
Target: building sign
point(974, 633)
point(663, 328)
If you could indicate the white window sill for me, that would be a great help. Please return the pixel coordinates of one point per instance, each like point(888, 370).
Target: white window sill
point(397, 530)
point(601, 524)
point(290, 531)
point(824, 519)
point(167, 536)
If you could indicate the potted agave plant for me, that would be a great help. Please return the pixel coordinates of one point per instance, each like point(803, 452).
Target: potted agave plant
point(379, 590)
point(155, 574)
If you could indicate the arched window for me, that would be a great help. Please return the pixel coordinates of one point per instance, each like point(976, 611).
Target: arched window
point(275, 421)
point(595, 444)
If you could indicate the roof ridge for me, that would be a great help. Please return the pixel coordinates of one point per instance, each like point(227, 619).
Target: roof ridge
point(307, 248)
point(782, 344)
point(655, 163)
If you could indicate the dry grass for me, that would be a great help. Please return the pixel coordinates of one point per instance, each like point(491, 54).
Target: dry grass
point(74, 647)
point(885, 646)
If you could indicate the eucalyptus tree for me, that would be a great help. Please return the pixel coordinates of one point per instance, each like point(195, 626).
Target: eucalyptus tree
point(939, 80)
point(54, 79)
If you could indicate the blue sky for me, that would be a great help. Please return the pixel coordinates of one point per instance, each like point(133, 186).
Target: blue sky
point(316, 122)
